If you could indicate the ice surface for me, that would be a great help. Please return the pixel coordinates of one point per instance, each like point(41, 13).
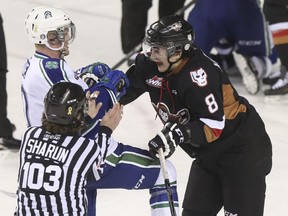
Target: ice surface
point(98, 39)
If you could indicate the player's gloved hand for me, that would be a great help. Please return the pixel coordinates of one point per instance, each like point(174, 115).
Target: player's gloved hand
point(168, 139)
point(93, 72)
point(116, 81)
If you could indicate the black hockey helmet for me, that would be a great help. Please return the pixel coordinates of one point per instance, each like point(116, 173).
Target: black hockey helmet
point(172, 32)
point(65, 104)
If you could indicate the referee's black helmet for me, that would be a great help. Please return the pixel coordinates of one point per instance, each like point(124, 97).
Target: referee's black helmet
point(65, 104)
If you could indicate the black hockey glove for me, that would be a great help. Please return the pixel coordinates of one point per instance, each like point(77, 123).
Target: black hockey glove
point(92, 73)
point(116, 81)
point(168, 138)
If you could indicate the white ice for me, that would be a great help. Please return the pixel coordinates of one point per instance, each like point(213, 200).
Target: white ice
point(98, 39)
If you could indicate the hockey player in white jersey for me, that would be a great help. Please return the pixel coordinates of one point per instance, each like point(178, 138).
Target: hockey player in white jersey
point(51, 30)
point(47, 65)
point(55, 159)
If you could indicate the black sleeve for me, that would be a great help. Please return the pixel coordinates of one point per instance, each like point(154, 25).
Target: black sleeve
point(106, 130)
point(136, 78)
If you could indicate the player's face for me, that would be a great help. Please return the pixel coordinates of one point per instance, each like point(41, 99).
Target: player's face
point(65, 50)
point(60, 39)
point(159, 55)
point(66, 35)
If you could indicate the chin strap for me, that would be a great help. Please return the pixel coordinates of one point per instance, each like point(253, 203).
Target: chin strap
point(63, 51)
point(169, 68)
point(171, 63)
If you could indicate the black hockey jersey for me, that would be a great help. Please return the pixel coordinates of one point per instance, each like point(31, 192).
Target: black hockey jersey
point(199, 96)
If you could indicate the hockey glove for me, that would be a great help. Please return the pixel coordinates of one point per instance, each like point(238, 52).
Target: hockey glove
point(116, 81)
point(168, 138)
point(92, 73)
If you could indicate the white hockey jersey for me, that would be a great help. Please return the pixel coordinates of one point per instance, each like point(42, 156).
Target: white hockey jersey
point(40, 72)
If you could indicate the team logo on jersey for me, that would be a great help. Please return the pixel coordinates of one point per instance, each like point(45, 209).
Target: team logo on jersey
point(199, 77)
point(138, 184)
point(52, 65)
point(155, 81)
point(47, 14)
point(182, 116)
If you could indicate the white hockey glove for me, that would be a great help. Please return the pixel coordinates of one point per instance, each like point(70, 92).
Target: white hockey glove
point(168, 138)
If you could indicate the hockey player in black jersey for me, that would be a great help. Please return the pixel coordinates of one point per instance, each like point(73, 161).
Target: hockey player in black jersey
point(55, 159)
point(203, 113)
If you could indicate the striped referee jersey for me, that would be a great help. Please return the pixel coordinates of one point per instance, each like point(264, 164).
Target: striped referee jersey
point(52, 171)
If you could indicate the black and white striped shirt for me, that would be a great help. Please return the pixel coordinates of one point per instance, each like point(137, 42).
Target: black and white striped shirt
point(52, 171)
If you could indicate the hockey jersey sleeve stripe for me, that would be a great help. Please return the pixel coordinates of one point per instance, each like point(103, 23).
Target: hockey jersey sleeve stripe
point(112, 96)
point(64, 73)
point(132, 158)
point(280, 33)
point(280, 39)
point(26, 106)
point(43, 71)
point(90, 128)
point(213, 128)
point(278, 26)
point(214, 124)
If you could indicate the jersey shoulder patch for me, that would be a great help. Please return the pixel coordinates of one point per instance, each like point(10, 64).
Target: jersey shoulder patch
point(199, 77)
point(51, 64)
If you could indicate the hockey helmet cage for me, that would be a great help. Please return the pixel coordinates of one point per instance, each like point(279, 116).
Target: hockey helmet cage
point(65, 104)
point(171, 32)
point(44, 19)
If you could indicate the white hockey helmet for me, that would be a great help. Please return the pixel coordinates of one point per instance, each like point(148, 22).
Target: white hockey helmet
point(44, 19)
